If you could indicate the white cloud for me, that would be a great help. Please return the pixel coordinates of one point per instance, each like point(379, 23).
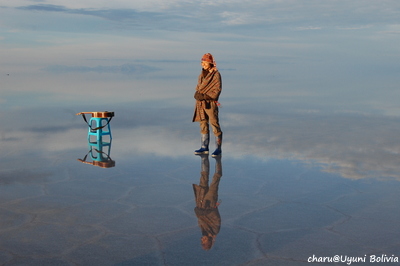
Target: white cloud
point(309, 28)
point(362, 27)
point(148, 5)
point(234, 18)
point(392, 29)
point(196, 15)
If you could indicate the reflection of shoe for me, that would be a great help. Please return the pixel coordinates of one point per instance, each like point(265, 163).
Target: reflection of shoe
point(201, 151)
point(205, 164)
point(216, 153)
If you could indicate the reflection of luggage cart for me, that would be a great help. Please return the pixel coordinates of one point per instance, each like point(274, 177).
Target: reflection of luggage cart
point(99, 124)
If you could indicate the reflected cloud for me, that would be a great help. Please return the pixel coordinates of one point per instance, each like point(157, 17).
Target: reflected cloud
point(206, 198)
point(348, 144)
point(281, 53)
point(351, 145)
point(354, 146)
point(48, 129)
point(3, 137)
point(22, 177)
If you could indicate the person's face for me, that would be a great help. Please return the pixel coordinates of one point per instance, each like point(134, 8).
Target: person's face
point(206, 65)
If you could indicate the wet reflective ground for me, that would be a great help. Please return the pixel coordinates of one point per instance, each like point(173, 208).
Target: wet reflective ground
point(290, 185)
point(310, 116)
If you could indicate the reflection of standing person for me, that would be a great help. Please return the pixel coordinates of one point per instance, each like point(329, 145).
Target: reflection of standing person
point(208, 89)
point(206, 197)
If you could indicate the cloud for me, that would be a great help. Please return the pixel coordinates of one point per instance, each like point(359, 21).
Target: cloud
point(309, 28)
point(362, 27)
point(44, 7)
point(114, 19)
point(235, 18)
point(391, 32)
point(212, 16)
point(392, 29)
point(111, 14)
point(127, 69)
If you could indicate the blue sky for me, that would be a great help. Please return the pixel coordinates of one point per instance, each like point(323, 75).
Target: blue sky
point(281, 51)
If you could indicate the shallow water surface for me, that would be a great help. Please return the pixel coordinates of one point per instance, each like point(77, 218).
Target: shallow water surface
point(310, 170)
point(290, 185)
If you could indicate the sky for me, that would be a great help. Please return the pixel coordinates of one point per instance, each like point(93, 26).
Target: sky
point(333, 65)
point(287, 50)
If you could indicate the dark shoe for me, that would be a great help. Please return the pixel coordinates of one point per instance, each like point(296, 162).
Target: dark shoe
point(217, 152)
point(201, 151)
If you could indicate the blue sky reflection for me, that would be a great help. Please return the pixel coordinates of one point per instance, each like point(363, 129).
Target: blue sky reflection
point(310, 119)
point(310, 80)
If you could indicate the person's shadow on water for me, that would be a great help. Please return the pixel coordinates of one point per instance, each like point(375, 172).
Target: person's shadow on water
point(206, 197)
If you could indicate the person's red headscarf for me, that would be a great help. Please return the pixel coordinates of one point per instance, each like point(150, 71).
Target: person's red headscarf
point(209, 58)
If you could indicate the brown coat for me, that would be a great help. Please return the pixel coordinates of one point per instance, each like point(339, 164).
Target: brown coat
point(210, 84)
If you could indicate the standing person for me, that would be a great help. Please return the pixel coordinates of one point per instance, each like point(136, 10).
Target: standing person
point(208, 89)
